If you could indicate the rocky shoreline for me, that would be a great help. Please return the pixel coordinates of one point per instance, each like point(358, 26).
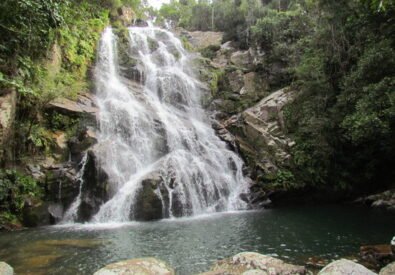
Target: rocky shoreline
point(244, 263)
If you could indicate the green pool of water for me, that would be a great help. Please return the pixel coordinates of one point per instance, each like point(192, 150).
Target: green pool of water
point(191, 245)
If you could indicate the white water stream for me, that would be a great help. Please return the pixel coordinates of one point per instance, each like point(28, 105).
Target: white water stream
point(158, 129)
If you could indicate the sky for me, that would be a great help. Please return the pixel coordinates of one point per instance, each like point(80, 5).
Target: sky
point(157, 3)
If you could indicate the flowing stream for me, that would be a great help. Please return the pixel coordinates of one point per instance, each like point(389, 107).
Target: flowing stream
point(156, 143)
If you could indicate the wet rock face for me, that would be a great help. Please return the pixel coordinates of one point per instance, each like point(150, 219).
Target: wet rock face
point(147, 266)
point(255, 263)
point(83, 141)
point(148, 206)
point(344, 266)
point(36, 214)
point(94, 190)
point(259, 132)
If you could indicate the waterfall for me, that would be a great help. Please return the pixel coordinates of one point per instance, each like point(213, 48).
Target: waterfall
point(71, 214)
point(156, 143)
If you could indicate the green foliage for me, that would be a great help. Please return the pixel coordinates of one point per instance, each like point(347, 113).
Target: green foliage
point(343, 118)
point(210, 51)
point(57, 121)
point(284, 179)
point(40, 138)
point(15, 189)
point(26, 26)
point(47, 58)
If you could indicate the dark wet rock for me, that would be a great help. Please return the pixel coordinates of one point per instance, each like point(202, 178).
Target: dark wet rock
point(377, 255)
point(146, 266)
point(83, 141)
point(343, 266)
point(35, 213)
point(6, 269)
point(259, 199)
point(388, 270)
point(61, 183)
point(148, 206)
point(55, 211)
point(94, 191)
point(225, 135)
point(384, 200)
point(140, 23)
point(252, 263)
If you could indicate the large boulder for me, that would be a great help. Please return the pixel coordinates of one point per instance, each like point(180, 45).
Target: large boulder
point(148, 205)
point(200, 40)
point(35, 213)
point(242, 59)
point(142, 266)
point(260, 134)
point(84, 105)
point(7, 117)
point(388, 270)
point(343, 266)
point(255, 263)
point(6, 269)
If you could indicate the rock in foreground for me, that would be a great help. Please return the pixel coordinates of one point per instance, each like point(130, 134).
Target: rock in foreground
point(5, 269)
point(143, 266)
point(343, 266)
point(388, 270)
point(254, 263)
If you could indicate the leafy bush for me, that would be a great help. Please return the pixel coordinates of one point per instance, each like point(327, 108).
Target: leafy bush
point(15, 188)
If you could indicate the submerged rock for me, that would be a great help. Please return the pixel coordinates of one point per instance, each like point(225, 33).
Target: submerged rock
point(142, 266)
point(343, 266)
point(254, 263)
point(377, 255)
point(6, 269)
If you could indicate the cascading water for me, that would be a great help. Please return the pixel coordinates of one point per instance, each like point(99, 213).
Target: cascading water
point(155, 142)
point(72, 212)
